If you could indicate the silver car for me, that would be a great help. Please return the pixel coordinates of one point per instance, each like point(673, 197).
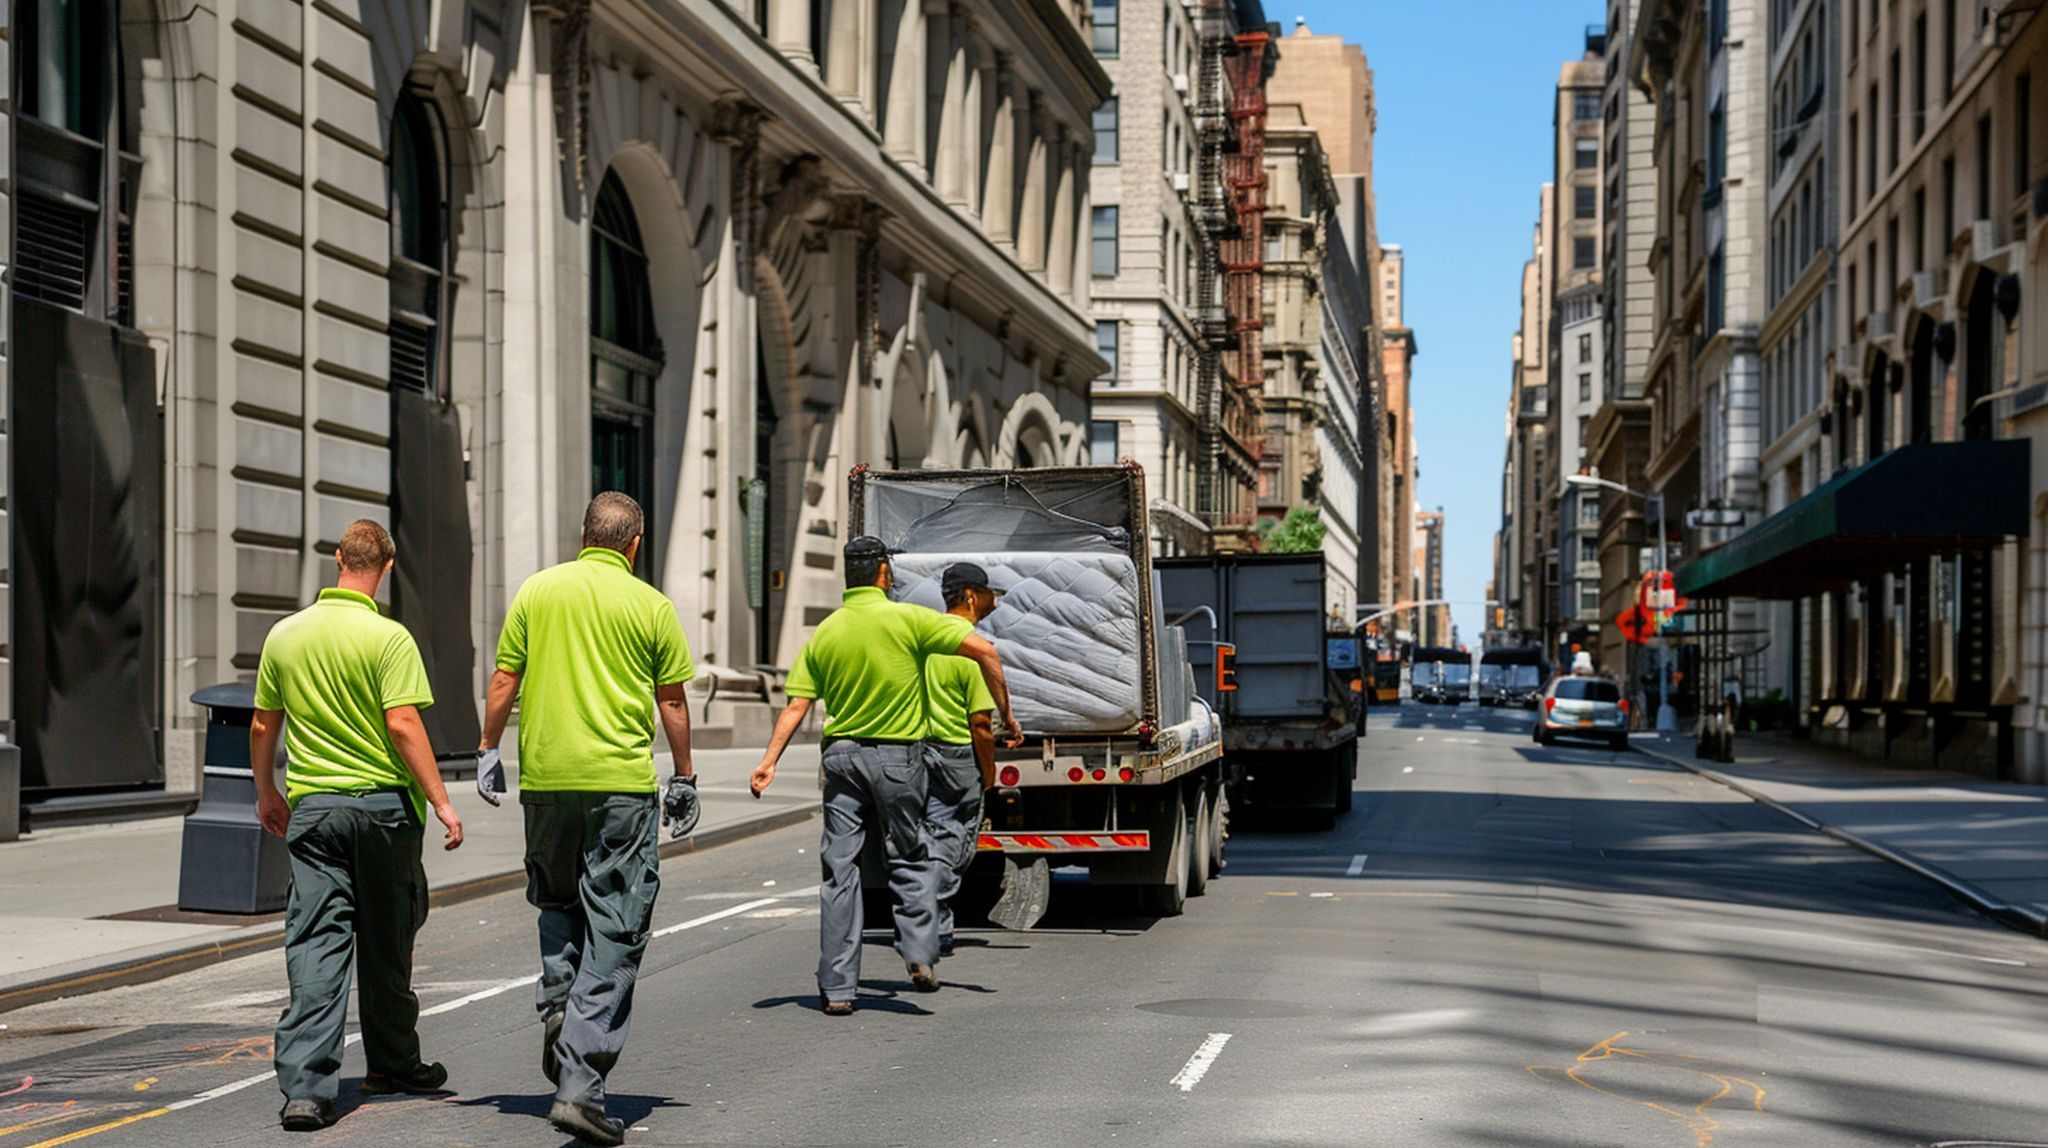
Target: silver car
point(1583, 707)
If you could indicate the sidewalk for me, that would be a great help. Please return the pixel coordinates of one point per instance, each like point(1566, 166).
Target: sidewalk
point(1985, 841)
point(90, 906)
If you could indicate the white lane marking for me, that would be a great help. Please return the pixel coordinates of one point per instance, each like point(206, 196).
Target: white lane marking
point(1407, 769)
point(1357, 866)
point(233, 1087)
point(1197, 1066)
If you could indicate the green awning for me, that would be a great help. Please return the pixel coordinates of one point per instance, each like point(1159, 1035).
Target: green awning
point(1909, 503)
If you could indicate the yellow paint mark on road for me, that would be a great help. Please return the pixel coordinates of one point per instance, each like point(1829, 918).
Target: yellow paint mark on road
point(1290, 893)
point(143, 1084)
point(95, 1130)
point(68, 1110)
point(1697, 1121)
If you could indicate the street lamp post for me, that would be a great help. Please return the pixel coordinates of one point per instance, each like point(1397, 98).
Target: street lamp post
point(1667, 717)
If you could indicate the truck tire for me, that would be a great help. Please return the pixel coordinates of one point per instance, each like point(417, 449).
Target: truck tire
point(1198, 842)
point(1219, 827)
point(1170, 898)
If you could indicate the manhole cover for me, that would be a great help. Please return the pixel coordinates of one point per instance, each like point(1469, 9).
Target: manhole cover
point(1226, 1008)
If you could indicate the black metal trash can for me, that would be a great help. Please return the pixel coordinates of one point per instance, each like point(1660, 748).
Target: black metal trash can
point(229, 864)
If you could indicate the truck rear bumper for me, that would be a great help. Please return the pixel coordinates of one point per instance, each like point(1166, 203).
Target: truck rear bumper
point(1062, 842)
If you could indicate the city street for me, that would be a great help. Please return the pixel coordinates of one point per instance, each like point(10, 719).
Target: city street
point(1503, 944)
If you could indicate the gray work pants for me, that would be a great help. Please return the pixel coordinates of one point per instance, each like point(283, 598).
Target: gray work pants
point(952, 820)
point(884, 786)
point(593, 867)
point(358, 891)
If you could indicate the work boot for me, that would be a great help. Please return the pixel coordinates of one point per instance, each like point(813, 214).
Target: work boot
point(586, 1124)
point(836, 1008)
point(946, 945)
point(421, 1081)
point(305, 1115)
point(923, 979)
point(550, 1035)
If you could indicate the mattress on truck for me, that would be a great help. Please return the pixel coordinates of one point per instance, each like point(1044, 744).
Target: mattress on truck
point(1067, 630)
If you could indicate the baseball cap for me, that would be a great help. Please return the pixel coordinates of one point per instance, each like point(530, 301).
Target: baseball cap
point(965, 576)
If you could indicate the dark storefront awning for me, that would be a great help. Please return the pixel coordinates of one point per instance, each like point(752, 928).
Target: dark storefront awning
point(1913, 502)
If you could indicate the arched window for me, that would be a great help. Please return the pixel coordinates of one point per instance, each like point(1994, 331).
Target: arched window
point(419, 246)
point(625, 356)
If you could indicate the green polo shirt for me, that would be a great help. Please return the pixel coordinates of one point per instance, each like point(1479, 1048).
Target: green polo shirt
point(592, 643)
point(334, 668)
point(954, 692)
point(866, 663)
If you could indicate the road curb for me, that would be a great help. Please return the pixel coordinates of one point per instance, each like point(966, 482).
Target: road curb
point(2029, 921)
point(155, 966)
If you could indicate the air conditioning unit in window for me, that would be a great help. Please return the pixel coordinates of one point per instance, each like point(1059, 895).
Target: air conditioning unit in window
point(1180, 182)
point(1180, 82)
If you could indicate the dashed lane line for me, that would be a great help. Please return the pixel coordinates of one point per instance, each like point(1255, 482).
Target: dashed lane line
point(1198, 1065)
point(1357, 866)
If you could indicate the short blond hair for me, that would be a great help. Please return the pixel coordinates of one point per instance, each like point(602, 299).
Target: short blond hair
point(365, 547)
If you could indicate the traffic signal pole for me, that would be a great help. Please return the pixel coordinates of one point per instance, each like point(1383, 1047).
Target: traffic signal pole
point(1667, 718)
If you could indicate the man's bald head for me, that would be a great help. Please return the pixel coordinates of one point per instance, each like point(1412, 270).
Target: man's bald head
point(365, 547)
point(612, 521)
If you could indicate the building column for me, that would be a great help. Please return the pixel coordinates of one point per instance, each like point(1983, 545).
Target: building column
point(979, 61)
point(998, 200)
point(952, 164)
point(903, 119)
point(1082, 272)
point(1031, 219)
point(1062, 158)
point(849, 58)
point(789, 28)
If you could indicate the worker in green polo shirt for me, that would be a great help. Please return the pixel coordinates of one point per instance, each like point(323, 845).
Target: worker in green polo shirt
point(866, 663)
point(360, 777)
point(961, 746)
point(594, 657)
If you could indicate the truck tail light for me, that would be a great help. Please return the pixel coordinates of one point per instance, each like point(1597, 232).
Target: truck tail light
point(1126, 773)
point(1008, 776)
point(1075, 774)
point(1100, 774)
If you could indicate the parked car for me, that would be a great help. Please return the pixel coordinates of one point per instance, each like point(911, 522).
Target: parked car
point(1582, 707)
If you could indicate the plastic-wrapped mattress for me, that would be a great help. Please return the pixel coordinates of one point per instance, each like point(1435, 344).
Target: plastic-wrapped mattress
point(1067, 630)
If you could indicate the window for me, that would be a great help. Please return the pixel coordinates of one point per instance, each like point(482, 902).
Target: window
point(1984, 168)
point(1717, 26)
point(1919, 74)
point(1717, 147)
point(1587, 690)
point(1948, 201)
point(1102, 443)
point(625, 355)
point(1585, 201)
point(1585, 154)
point(1585, 348)
point(1855, 193)
point(1585, 387)
point(1104, 252)
point(1589, 550)
point(1582, 252)
point(1949, 45)
point(419, 249)
point(1891, 130)
point(2022, 126)
point(1106, 343)
point(1105, 132)
point(1105, 27)
point(1870, 144)
point(1585, 105)
point(1715, 304)
point(1273, 246)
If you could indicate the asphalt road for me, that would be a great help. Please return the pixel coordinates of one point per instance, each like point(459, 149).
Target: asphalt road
point(1504, 944)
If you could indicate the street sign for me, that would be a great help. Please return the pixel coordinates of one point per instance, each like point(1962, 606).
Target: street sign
point(1636, 625)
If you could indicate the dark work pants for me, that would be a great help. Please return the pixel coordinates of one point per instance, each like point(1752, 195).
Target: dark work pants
point(879, 786)
point(952, 821)
point(593, 867)
point(357, 891)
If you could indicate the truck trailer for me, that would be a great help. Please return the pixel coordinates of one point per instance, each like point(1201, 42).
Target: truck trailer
point(1121, 768)
point(1289, 692)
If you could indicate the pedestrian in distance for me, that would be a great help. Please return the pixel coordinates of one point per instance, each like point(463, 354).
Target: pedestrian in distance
point(594, 656)
point(961, 753)
point(345, 685)
point(866, 664)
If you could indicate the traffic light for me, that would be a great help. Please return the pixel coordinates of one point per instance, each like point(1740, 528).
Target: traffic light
point(1226, 667)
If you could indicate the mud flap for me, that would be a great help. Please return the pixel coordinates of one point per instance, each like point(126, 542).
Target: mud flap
point(1027, 887)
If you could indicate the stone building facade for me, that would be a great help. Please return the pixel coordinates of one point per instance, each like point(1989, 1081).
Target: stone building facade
point(1577, 351)
point(454, 266)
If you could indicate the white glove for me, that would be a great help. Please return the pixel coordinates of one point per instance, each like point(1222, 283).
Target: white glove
point(490, 775)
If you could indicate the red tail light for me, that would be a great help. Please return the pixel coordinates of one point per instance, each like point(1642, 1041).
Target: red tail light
point(1126, 773)
point(1008, 776)
point(1624, 707)
point(1100, 774)
point(1548, 703)
point(1075, 774)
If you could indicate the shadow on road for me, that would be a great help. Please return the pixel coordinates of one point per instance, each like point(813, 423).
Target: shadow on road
point(620, 1105)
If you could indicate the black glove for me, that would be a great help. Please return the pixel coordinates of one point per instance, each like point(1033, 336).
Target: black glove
point(680, 801)
point(490, 775)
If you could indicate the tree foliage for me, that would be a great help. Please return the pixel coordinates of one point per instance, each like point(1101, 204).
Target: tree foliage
point(1300, 533)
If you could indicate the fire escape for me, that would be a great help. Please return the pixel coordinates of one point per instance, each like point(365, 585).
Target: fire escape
point(1230, 291)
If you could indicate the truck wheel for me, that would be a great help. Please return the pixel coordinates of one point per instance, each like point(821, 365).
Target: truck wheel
point(1219, 827)
point(1170, 899)
point(1198, 843)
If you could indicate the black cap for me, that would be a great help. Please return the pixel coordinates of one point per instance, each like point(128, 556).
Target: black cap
point(964, 576)
point(866, 546)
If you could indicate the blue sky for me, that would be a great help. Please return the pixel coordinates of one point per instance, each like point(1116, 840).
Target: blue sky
point(1465, 90)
